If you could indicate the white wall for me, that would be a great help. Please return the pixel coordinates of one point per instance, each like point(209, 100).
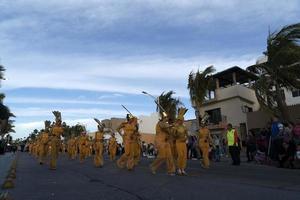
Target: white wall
point(238, 90)
point(290, 100)
point(147, 124)
point(231, 108)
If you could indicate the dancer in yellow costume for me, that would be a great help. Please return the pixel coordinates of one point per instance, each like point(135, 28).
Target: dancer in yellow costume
point(181, 138)
point(129, 128)
point(35, 148)
point(112, 147)
point(83, 142)
point(136, 148)
point(72, 148)
point(54, 140)
point(98, 144)
point(43, 146)
point(204, 140)
point(162, 142)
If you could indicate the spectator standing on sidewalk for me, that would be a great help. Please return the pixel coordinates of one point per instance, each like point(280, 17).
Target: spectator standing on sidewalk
point(233, 145)
point(251, 146)
point(217, 150)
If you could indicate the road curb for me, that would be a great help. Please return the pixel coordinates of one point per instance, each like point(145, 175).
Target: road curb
point(9, 180)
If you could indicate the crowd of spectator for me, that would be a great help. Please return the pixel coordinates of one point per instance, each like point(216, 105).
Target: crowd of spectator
point(278, 143)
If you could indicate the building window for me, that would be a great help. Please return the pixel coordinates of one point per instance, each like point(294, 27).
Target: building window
point(214, 115)
point(246, 109)
point(296, 93)
point(209, 95)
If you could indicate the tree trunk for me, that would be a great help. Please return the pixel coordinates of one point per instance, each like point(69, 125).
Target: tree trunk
point(198, 116)
point(281, 104)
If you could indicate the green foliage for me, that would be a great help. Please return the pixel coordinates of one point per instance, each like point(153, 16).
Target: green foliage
point(199, 83)
point(169, 103)
point(2, 70)
point(282, 70)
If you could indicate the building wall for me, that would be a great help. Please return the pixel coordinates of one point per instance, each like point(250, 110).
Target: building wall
point(259, 119)
point(237, 91)
point(147, 124)
point(231, 108)
point(290, 100)
point(148, 138)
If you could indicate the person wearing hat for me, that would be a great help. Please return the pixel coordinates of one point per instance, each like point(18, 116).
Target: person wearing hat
point(204, 140)
point(129, 128)
point(83, 142)
point(181, 136)
point(112, 147)
point(98, 147)
point(56, 133)
point(43, 146)
point(163, 146)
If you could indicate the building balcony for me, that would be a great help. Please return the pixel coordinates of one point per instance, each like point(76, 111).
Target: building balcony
point(233, 91)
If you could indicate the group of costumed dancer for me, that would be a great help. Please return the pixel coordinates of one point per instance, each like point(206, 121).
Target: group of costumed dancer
point(170, 142)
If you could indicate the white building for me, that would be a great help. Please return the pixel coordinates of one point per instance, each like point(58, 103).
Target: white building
point(231, 100)
point(292, 97)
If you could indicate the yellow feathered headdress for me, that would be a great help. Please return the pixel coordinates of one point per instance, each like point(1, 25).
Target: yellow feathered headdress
point(57, 115)
point(100, 124)
point(181, 113)
point(47, 124)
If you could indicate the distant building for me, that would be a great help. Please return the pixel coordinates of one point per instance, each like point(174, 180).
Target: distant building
point(147, 126)
point(192, 126)
point(230, 101)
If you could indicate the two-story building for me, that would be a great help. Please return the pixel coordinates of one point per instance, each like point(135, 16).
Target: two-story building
point(230, 101)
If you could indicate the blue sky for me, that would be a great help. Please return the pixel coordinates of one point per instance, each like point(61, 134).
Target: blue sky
point(86, 57)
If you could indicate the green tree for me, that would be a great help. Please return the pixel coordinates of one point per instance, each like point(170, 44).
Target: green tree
point(2, 70)
point(281, 70)
point(169, 104)
point(6, 125)
point(199, 85)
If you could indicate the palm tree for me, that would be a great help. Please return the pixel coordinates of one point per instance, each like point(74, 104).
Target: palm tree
point(199, 84)
point(281, 70)
point(2, 69)
point(169, 104)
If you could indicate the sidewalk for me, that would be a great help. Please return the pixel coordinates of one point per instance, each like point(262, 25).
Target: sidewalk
point(5, 163)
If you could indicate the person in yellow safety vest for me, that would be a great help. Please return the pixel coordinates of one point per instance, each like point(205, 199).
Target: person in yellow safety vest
point(83, 142)
point(163, 146)
point(233, 144)
point(54, 140)
point(181, 136)
point(129, 128)
point(98, 147)
point(204, 140)
point(43, 146)
point(112, 147)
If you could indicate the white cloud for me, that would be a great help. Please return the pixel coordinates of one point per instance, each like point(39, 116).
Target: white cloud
point(26, 100)
point(24, 129)
point(102, 74)
point(107, 12)
point(71, 112)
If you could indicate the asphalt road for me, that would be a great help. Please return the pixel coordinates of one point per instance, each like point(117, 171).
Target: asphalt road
point(5, 163)
point(76, 181)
